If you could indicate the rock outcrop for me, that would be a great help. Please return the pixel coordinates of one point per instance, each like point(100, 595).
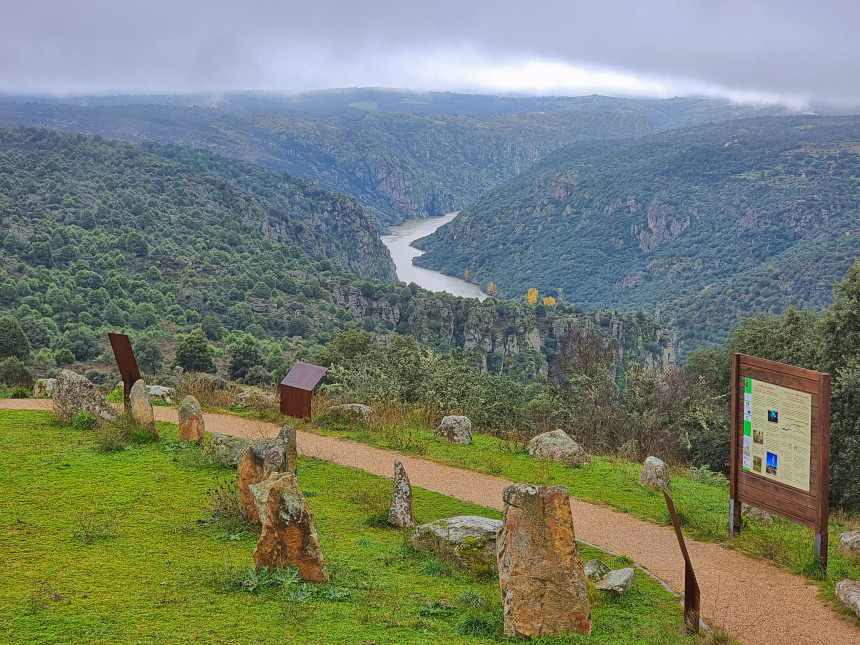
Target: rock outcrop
point(259, 460)
point(617, 582)
point(161, 393)
point(467, 542)
point(140, 407)
point(850, 542)
point(655, 474)
point(596, 569)
point(44, 387)
point(401, 514)
point(542, 579)
point(288, 436)
point(224, 448)
point(558, 446)
point(254, 400)
point(74, 394)
point(848, 593)
point(351, 412)
point(192, 427)
point(288, 538)
point(455, 429)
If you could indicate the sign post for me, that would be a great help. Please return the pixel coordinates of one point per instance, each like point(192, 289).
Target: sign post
point(692, 595)
point(126, 362)
point(780, 450)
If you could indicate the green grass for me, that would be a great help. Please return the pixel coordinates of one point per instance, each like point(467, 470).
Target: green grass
point(108, 547)
point(702, 506)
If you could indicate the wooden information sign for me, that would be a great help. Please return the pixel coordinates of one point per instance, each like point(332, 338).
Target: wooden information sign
point(780, 450)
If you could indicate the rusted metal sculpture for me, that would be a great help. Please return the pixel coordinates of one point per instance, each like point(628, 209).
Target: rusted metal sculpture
point(691, 586)
point(296, 389)
point(126, 362)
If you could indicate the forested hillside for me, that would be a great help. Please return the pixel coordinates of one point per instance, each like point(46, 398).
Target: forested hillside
point(701, 225)
point(99, 236)
point(401, 155)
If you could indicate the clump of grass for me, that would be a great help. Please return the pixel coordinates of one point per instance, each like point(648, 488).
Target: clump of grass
point(705, 475)
point(225, 506)
point(110, 438)
point(436, 568)
point(479, 624)
point(471, 599)
point(117, 434)
point(91, 527)
point(85, 421)
point(435, 609)
point(210, 391)
point(43, 592)
point(20, 393)
point(376, 519)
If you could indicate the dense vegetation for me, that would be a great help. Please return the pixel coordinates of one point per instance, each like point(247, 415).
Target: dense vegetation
point(702, 225)
point(399, 154)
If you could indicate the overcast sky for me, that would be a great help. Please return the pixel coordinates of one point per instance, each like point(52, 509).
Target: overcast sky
point(758, 50)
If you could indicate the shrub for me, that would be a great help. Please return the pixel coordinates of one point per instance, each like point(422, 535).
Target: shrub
point(194, 354)
point(13, 372)
point(13, 342)
point(64, 356)
point(258, 375)
point(20, 393)
point(110, 438)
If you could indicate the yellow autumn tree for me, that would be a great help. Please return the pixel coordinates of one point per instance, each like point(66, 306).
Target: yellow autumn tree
point(532, 295)
point(491, 288)
point(549, 301)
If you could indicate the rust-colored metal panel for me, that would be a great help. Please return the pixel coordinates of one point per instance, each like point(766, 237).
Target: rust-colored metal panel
point(304, 376)
point(692, 597)
point(125, 361)
point(295, 402)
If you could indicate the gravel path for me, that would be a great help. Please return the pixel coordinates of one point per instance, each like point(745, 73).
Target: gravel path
point(754, 601)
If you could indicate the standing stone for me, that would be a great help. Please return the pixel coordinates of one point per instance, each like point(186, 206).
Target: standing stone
point(140, 407)
point(848, 593)
point(543, 583)
point(44, 387)
point(655, 474)
point(257, 462)
point(192, 427)
point(288, 436)
point(454, 429)
point(558, 446)
point(289, 537)
point(401, 514)
point(74, 394)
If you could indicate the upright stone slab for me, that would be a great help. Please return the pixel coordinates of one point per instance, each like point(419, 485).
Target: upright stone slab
point(655, 474)
point(140, 407)
point(74, 393)
point(289, 537)
point(288, 436)
point(192, 427)
point(257, 462)
point(400, 514)
point(455, 429)
point(540, 570)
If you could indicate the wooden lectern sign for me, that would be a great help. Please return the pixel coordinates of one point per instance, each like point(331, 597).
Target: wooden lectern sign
point(296, 389)
point(780, 451)
point(126, 362)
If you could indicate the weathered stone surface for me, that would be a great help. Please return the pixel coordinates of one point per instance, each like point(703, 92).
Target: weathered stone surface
point(252, 399)
point(848, 592)
point(192, 427)
point(352, 412)
point(401, 514)
point(541, 575)
point(558, 446)
point(617, 582)
point(44, 387)
point(161, 393)
point(74, 393)
point(596, 569)
point(140, 407)
point(289, 537)
point(757, 514)
point(224, 448)
point(288, 436)
point(454, 429)
point(467, 541)
point(257, 462)
point(655, 474)
point(850, 542)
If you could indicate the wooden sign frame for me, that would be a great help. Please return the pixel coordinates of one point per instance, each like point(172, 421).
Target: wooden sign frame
point(746, 487)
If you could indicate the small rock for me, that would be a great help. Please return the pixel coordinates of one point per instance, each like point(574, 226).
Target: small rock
point(44, 387)
point(401, 514)
point(288, 436)
point(848, 592)
point(192, 427)
point(542, 579)
point(596, 569)
point(467, 541)
point(288, 537)
point(224, 448)
point(455, 429)
point(757, 514)
point(73, 393)
point(850, 542)
point(558, 446)
point(254, 400)
point(140, 407)
point(617, 582)
point(161, 393)
point(655, 474)
point(257, 462)
point(351, 412)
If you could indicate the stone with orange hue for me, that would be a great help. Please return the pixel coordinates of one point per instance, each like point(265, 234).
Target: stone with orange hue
point(289, 538)
point(540, 570)
point(192, 427)
point(257, 462)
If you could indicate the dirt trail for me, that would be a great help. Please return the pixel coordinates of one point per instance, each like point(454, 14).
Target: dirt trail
point(754, 601)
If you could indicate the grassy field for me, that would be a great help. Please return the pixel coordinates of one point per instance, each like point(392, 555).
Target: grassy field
point(123, 547)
